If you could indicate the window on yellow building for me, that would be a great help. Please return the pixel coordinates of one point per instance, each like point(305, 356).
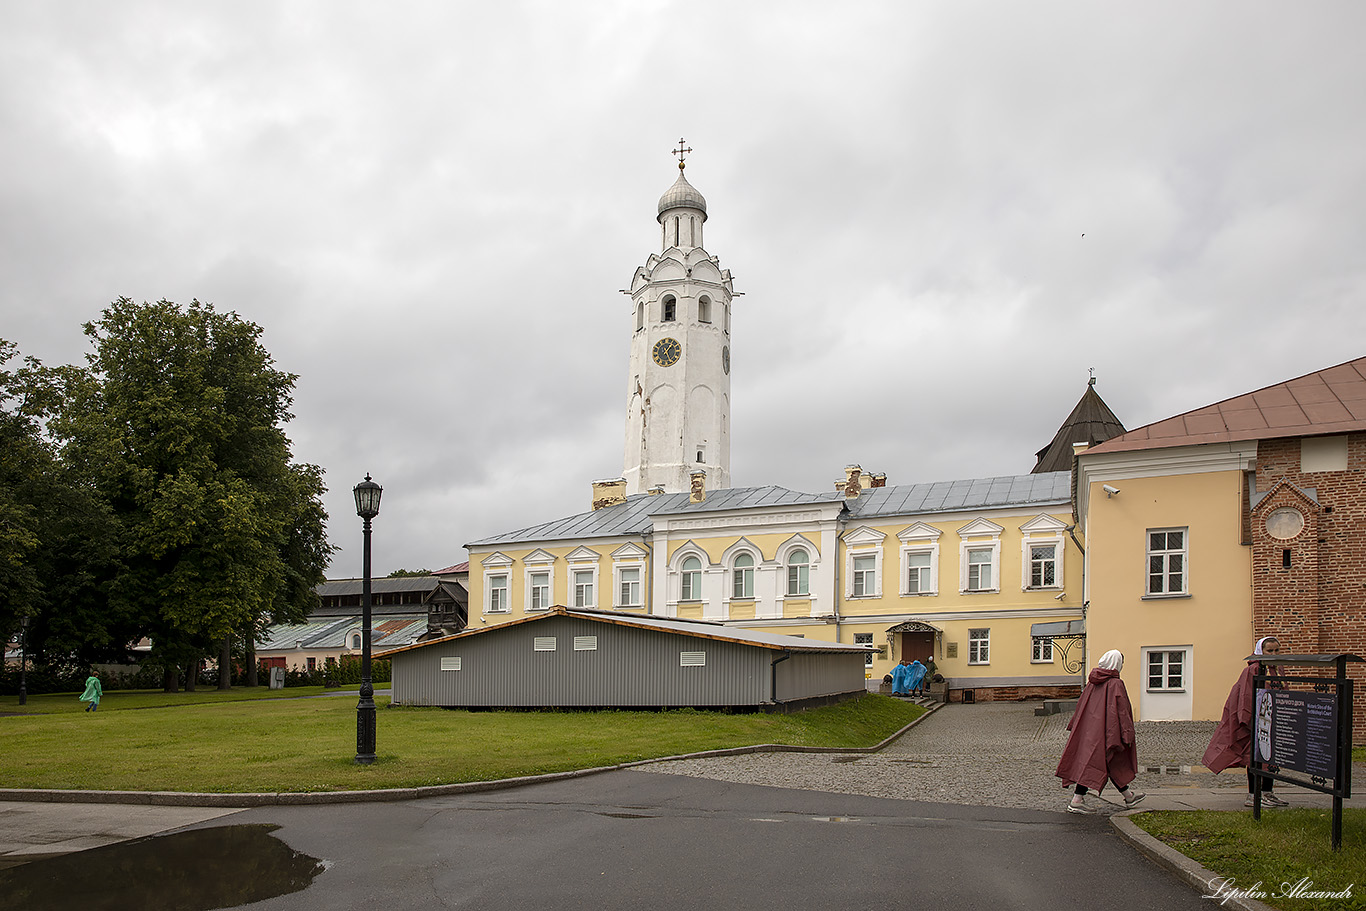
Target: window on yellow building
point(1167, 561)
point(540, 591)
point(692, 580)
point(979, 646)
point(798, 572)
point(742, 577)
point(979, 569)
point(865, 577)
point(1043, 565)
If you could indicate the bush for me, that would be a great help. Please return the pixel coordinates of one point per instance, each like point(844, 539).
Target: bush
point(345, 672)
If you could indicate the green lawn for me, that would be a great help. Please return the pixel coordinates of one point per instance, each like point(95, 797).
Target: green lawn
point(1285, 846)
point(116, 700)
point(309, 744)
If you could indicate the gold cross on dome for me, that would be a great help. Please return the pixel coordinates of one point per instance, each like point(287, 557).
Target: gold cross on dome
point(680, 152)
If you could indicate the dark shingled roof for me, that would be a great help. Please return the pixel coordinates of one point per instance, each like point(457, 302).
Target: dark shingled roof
point(1326, 402)
point(1091, 422)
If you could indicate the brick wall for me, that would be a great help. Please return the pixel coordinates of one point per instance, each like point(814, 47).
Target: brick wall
point(1018, 693)
point(1318, 603)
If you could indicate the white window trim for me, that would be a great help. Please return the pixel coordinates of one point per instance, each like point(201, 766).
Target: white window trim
point(640, 583)
point(538, 561)
point(972, 663)
point(1185, 563)
point(868, 658)
point(574, 570)
point(1186, 668)
point(977, 535)
point(676, 574)
point(500, 573)
point(1042, 530)
point(732, 553)
point(813, 557)
point(863, 542)
point(1052, 650)
point(496, 564)
point(1026, 564)
point(906, 551)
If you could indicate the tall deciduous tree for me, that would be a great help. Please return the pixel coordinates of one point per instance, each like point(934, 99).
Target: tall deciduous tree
point(179, 422)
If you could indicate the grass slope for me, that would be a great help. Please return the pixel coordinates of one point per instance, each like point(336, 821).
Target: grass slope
point(1274, 854)
point(309, 744)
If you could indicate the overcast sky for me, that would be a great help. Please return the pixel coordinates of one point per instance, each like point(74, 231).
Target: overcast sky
point(941, 216)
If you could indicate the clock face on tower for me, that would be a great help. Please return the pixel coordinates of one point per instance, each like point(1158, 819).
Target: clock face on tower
point(667, 352)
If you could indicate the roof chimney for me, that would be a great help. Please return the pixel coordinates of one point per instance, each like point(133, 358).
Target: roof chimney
point(609, 492)
point(879, 480)
point(656, 490)
point(697, 492)
point(853, 481)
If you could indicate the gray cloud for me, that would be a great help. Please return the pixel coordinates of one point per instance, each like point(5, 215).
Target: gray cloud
point(430, 209)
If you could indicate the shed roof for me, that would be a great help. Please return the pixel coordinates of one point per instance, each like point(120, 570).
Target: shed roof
point(1324, 402)
point(699, 629)
point(378, 586)
point(331, 633)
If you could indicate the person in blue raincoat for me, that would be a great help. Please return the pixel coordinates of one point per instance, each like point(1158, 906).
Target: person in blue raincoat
point(93, 692)
point(901, 678)
point(916, 681)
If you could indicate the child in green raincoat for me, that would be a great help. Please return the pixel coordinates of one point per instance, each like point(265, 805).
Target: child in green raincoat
point(93, 692)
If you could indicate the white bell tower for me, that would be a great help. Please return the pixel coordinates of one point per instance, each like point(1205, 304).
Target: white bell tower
point(678, 385)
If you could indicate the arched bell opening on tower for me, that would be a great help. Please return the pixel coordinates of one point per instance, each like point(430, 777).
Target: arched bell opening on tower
point(704, 309)
point(670, 309)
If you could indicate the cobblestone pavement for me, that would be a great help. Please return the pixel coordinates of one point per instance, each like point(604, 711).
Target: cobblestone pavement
point(990, 754)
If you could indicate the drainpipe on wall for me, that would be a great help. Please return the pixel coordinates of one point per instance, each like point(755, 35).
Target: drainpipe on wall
point(773, 669)
point(649, 566)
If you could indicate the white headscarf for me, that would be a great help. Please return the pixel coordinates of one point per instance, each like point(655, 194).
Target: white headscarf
point(1112, 660)
point(1257, 649)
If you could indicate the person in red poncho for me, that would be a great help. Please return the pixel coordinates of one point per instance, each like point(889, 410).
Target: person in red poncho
point(1231, 744)
point(1102, 745)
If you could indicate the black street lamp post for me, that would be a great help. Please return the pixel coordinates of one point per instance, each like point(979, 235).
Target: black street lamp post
point(367, 507)
point(23, 660)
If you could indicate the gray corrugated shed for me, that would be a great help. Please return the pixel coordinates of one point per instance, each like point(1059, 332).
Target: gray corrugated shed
point(635, 516)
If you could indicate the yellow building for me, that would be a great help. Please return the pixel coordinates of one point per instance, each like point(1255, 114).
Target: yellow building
point(1210, 529)
point(960, 571)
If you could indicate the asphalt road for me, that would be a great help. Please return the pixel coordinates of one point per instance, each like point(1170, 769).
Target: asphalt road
point(633, 840)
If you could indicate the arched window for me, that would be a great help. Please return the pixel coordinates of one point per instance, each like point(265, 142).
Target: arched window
point(692, 579)
point(640, 315)
point(704, 309)
point(676, 231)
point(742, 577)
point(670, 309)
point(356, 641)
point(798, 572)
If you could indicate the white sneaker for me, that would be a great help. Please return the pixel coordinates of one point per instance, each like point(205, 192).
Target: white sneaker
point(1077, 806)
point(1132, 797)
point(1271, 800)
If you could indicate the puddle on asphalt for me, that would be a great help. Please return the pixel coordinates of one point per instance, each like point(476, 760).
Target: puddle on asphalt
point(197, 870)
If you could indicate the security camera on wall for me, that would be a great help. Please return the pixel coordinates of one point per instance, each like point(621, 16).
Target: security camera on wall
point(1109, 491)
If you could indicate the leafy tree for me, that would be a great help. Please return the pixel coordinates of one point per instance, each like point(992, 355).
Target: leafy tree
point(56, 537)
point(406, 573)
point(177, 422)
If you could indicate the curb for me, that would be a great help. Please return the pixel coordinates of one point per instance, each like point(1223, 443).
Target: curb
point(306, 798)
point(1181, 866)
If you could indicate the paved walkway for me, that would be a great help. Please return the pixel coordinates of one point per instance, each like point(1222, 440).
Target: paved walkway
point(998, 754)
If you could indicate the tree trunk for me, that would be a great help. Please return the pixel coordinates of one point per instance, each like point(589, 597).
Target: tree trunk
point(191, 675)
point(170, 679)
point(225, 663)
point(251, 660)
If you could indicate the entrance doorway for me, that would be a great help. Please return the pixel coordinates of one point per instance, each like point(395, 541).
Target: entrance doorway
point(916, 646)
